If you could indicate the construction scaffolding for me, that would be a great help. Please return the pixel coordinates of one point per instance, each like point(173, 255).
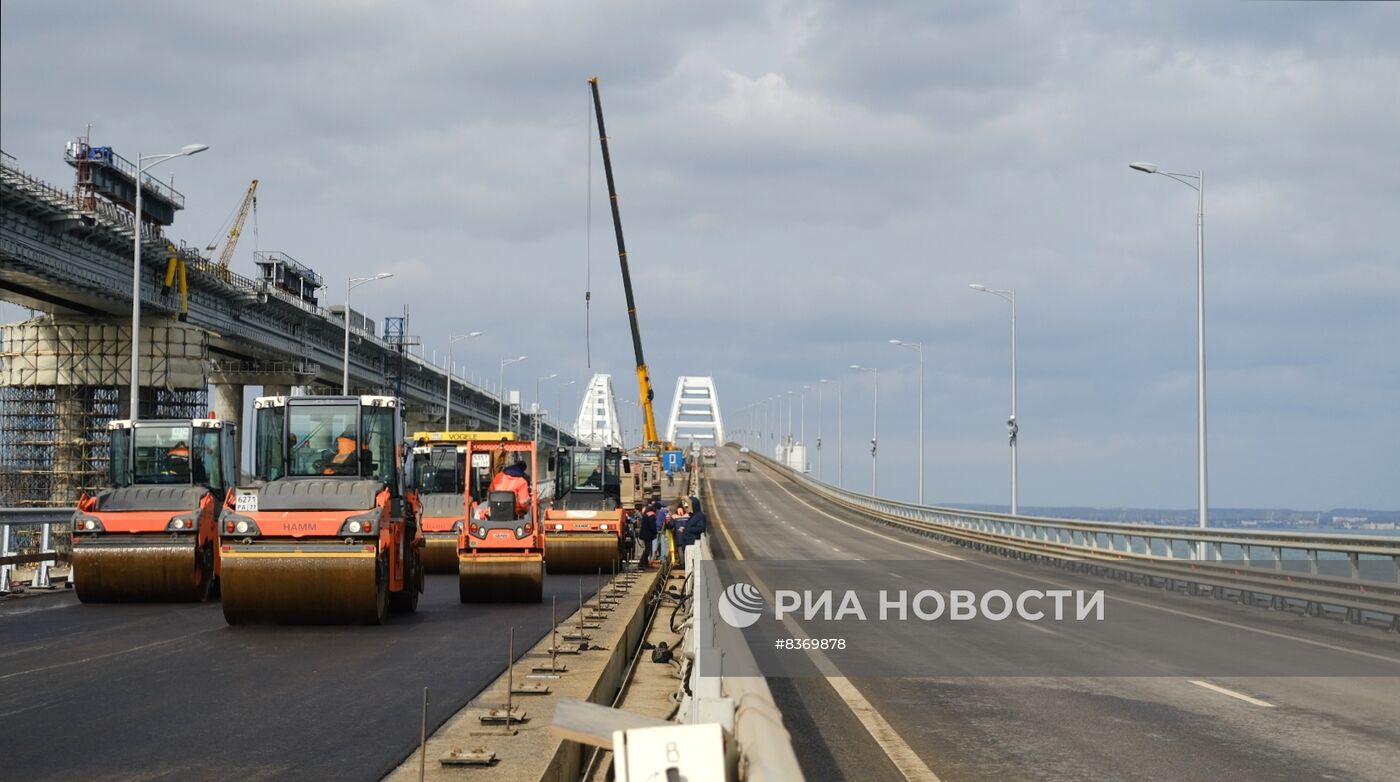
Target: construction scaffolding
point(63, 380)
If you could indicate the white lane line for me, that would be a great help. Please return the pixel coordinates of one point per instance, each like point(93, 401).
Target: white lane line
point(837, 550)
point(1034, 626)
point(1138, 603)
point(896, 575)
point(1232, 693)
point(894, 746)
point(105, 655)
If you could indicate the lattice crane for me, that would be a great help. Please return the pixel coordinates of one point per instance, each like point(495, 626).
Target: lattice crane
point(250, 203)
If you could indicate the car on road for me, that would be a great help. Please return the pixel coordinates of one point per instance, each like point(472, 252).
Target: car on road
point(742, 465)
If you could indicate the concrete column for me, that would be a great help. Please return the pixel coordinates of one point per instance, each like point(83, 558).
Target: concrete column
point(228, 406)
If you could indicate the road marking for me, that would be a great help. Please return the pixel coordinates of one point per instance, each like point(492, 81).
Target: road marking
point(909, 764)
point(104, 656)
point(896, 575)
point(1232, 693)
point(1034, 626)
point(1139, 603)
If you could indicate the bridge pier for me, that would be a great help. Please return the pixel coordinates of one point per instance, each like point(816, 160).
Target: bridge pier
point(64, 378)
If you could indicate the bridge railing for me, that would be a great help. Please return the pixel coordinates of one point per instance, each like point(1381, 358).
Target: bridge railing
point(1359, 574)
point(42, 518)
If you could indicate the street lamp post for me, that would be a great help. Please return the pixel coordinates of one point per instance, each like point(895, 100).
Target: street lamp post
point(538, 380)
point(1013, 425)
point(875, 430)
point(351, 283)
point(559, 408)
point(1200, 188)
point(820, 383)
point(501, 389)
point(919, 346)
point(144, 162)
point(447, 424)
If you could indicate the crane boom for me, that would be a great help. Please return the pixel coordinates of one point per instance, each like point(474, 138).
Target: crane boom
point(249, 201)
point(643, 378)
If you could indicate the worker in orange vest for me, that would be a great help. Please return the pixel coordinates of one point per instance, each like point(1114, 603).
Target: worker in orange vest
point(512, 479)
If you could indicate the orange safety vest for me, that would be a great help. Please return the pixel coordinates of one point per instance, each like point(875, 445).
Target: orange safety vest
point(519, 486)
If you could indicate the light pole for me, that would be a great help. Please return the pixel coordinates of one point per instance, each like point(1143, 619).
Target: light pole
point(501, 388)
point(144, 162)
point(447, 424)
point(559, 406)
point(538, 380)
point(919, 346)
point(820, 383)
point(351, 284)
point(1013, 425)
point(1200, 188)
point(875, 431)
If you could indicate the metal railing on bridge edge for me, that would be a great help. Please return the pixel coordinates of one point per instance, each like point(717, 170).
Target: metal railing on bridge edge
point(44, 558)
point(1356, 574)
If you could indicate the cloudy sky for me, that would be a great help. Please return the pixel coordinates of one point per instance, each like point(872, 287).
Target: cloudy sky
point(801, 182)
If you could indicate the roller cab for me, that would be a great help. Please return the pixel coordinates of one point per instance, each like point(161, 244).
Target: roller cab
point(153, 535)
point(329, 531)
point(584, 527)
point(500, 554)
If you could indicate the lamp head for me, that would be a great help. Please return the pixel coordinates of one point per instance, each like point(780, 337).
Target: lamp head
point(1146, 168)
point(191, 149)
point(978, 287)
point(383, 275)
point(855, 366)
point(474, 334)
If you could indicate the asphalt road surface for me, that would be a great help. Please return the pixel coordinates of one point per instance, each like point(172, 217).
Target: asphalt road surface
point(149, 691)
point(1179, 723)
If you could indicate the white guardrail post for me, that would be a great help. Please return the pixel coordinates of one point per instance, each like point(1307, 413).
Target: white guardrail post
point(5, 552)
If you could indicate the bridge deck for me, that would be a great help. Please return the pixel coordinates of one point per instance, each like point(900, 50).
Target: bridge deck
point(1158, 726)
point(171, 691)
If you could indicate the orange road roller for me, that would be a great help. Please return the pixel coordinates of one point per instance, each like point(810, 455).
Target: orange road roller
point(500, 554)
point(584, 527)
point(328, 533)
point(440, 463)
point(154, 534)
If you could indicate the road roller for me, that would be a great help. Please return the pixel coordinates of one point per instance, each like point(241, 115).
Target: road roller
point(440, 459)
point(328, 532)
point(500, 554)
point(583, 528)
point(153, 535)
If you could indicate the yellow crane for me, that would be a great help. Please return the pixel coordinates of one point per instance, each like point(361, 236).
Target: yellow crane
point(250, 203)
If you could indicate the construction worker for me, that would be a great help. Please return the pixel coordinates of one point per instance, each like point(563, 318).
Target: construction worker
point(512, 479)
point(346, 450)
point(177, 460)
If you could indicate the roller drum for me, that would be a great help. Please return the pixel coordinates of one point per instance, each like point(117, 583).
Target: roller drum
point(494, 579)
point(138, 571)
point(304, 588)
point(582, 554)
point(440, 553)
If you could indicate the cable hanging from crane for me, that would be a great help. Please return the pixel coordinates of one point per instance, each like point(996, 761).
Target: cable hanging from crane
point(588, 250)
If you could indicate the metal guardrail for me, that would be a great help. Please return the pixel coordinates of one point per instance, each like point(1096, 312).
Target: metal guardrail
point(1358, 574)
point(45, 519)
point(743, 705)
